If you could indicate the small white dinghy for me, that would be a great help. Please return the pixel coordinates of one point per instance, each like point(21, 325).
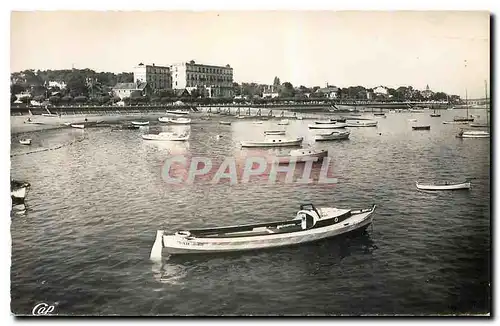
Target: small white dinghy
point(446, 186)
point(166, 136)
point(361, 123)
point(303, 155)
point(473, 134)
point(25, 141)
point(329, 121)
point(283, 122)
point(331, 125)
point(257, 122)
point(140, 123)
point(273, 142)
point(274, 132)
point(334, 135)
point(181, 121)
point(78, 126)
point(310, 224)
point(226, 123)
point(455, 122)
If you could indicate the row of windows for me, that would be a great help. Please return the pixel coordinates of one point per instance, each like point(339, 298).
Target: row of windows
point(208, 78)
point(157, 70)
point(209, 70)
point(192, 83)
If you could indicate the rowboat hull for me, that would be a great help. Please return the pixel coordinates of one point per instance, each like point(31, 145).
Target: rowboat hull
point(303, 155)
point(77, 126)
point(474, 134)
point(332, 136)
point(164, 138)
point(273, 143)
point(361, 123)
point(457, 186)
point(328, 126)
point(140, 123)
point(25, 141)
point(283, 123)
point(226, 123)
point(455, 122)
point(421, 127)
point(180, 121)
point(181, 244)
point(177, 112)
point(274, 132)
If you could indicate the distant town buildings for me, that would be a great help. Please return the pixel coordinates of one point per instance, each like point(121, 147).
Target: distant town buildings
point(217, 81)
point(329, 91)
point(270, 92)
point(380, 90)
point(157, 77)
point(57, 83)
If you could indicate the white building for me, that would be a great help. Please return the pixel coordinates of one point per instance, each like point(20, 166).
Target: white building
point(124, 90)
point(157, 77)
point(380, 90)
point(217, 80)
point(55, 83)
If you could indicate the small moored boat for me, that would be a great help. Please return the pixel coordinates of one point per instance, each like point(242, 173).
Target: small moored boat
point(226, 123)
point(334, 125)
point(274, 132)
point(140, 123)
point(446, 186)
point(25, 141)
point(257, 122)
point(78, 126)
point(274, 142)
point(310, 224)
point(283, 122)
point(455, 122)
point(303, 155)
point(181, 121)
point(178, 112)
point(18, 191)
point(473, 134)
point(361, 123)
point(334, 135)
point(421, 127)
point(166, 136)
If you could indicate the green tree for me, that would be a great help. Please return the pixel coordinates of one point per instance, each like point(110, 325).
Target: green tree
point(287, 90)
point(276, 81)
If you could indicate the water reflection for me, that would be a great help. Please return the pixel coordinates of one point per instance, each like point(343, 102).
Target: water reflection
point(168, 273)
point(171, 147)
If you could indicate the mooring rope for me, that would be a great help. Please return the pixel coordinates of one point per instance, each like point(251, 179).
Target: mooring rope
point(38, 150)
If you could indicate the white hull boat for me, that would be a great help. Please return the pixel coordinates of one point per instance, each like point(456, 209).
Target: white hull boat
point(283, 122)
point(180, 121)
point(78, 126)
point(328, 126)
point(455, 122)
point(456, 186)
point(275, 142)
point(324, 122)
point(178, 112)
point(361, 123)
point(226, 123)
point(18, 191)
point(334, 135)
point(274, 132)
point(309, 224)
point(412, 120)
point(165, 136)
point(473, 134)
point(479, 125)
point(50, 115)
point(140, 123)
point(303, 155)
point(26, 141)
point(257, 122)
point(299, 118)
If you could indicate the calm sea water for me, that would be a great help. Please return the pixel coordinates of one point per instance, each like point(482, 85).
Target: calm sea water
point(95, 205)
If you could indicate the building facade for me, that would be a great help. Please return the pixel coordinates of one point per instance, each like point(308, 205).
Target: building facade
point(217, 80)
point(427, 93)
point(157, 77)
point(124, 90)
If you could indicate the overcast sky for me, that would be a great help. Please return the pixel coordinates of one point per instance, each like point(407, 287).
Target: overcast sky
point(447, 50)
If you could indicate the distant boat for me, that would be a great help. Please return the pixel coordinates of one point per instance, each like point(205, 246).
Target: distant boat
point(479, 125)
point(140, 123)
point(421, 127)
point(179, 112)
point(299, 117)
point(276, 142)
point(467, 118)
point(166, 136)
point(274, 132)
point(78, 126)
point(227, 123)
point(455, 122)
point(257, 122)
point(380, 115)
point(334, 135)
point(361, 123)
point(473, 134)
point(434, 114)
point(303, 155)
point(51, 115)
point(446, 186)
point(327, 126)
point(416, 111)
point(25, 141)
point(283, 122)
point(412, 120)
point(182, 121)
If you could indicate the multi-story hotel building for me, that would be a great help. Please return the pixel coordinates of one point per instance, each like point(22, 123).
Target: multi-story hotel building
point(216, 80)
point(157, 77)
